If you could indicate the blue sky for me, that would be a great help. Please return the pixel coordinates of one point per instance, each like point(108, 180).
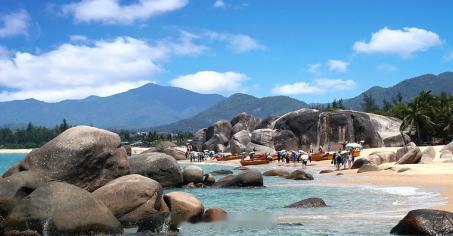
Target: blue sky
point(314, 51)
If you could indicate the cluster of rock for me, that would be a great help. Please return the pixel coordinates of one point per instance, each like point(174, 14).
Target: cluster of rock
point(303, 128)
point(298, 174)
point(82, 182)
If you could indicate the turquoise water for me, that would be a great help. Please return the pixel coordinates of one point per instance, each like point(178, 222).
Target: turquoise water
point(352, 210)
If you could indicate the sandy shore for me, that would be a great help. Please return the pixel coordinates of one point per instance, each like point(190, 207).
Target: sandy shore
point(15, 151)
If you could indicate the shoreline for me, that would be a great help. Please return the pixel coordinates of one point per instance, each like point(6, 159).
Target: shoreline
point(15, 151)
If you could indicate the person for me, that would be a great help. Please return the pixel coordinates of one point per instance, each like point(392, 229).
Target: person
point(304, 157)
point(293, 156)
point(320, 149)
point(329, 147)
point(200, 156)
point(338, 161)
point(243, 153)
point(252, 154)
point(279, 156)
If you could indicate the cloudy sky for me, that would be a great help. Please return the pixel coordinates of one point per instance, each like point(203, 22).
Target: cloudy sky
point(315, 52)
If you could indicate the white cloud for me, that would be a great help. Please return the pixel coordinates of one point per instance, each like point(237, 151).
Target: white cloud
point(239, 43)
point(13, 24)
point(337, 65)
point(317, 86)
point(313, 68)
point(74, 71)
point(112, 12)
point(219, 4)
point(403, 42)
point(211, 82)
point(387, 67)
point(78, 38)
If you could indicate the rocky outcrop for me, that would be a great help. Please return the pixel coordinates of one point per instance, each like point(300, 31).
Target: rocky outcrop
point(285, 140)
point(267, 123)
point(425, 222)
point(192, 174)
point(260, 149)
point(183, 207)
point(222, 172)
point(368, 168)
point(300, 175)
point(378, 158)
point(263, 137)
point(446, 153)
point(199, 138)
point(131, 198)
point(413, 156)
point(61, 209)
point(359, 163)
point(218, 133)
point(308, 203)
point(428, 155)
point(157, 166)
point(248, 178)
point(244, 121)
point(276, 172)
point(214, 214)
point(83, 156)
point(239, 141)
point(401, 151)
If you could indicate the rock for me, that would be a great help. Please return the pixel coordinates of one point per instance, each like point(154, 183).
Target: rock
point(428, 155)
point(249, 178)
point(209, 179)
point(183, 207)
point(221, 172)
point(244, 121)
point(189, 185)
point(401, 151)
point(449, 147)
point(326, 171)
point(308, 203)
point(263, 137)
point(62, 209)
point(157, 166)
point(446, 155)
point(260, 149)
point(404, 169)
point(285, 140)
point(239, 140)
point(199, 138)
point(340, 173)
point(17, 186)
point(368, 168)
point(267, 123)
point(241, 168)
point(83, 156)
point(359, 163)
point(218, 133)
point(413, 156)
point(397, 140)
point(381, 157)
point(276, 172)
point(215, 214)
point(425, 222)
point(128, 149)
point(131, 198)
point(300, 175)
point(176, 152)
point(192, 173)
point(154, 224)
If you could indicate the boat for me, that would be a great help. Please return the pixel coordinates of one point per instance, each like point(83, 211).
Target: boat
point(229, 157)
point(254, 162)
point(321, 156)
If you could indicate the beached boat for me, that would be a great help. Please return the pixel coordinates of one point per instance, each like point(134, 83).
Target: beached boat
point(254, 162)
point(229, 157)
point(321, 156)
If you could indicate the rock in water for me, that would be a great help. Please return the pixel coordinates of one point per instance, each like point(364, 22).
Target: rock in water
point(83, 156)
point(359, 163)
point(214, 214)
point(222, 172)
point(308, 203)
point(425, 222)
point(428, 155)
point(413, 156)
point(157, 166)
point(61, 209)
point(131, 198)
point(300, 175)
point(208, 179)
point(276, 172)
point(183, 207)
point(192, 174)
point(249, 178)
point(368, 168)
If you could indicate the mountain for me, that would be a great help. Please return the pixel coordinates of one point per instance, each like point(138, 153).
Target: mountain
point(408, 88)
point(147, 106)
point(235, 104)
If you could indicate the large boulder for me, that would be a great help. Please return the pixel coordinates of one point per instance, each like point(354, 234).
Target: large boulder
point(83, 156)
point(199, 138)
point(360, 162)
point(192, 174)
point(428, 155)
point(425, 222)
point(378, 158)
point(267, 123)
point(300, 174)
point(61, 209)
point(413, 156)
point(398, 140)
point(263, 137)
point(214, 214)
point(239, 140)
point(276, 172)
point(17, 186)
point(401, 151)
point(446, 153)
point(313, 202)
point(208, 179)
point(221, 172)
point(368, 168)
point(244, 121)
point(285, 140)
point(260, 149)
point(131, 198)
point(218, 133)
point(183, 207)
point(169, 148)
point(157, 166)
point(249, 178)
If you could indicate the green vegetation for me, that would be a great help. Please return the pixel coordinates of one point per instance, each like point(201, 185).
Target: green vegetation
point(429, 118)
point(153, 137)
point(29, 137)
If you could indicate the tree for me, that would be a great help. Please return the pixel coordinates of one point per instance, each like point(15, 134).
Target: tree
point(397, 99)
point(387, 105)
point(368, 104)
point(64, 126)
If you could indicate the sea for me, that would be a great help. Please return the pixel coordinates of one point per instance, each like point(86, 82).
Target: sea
point(351, 209)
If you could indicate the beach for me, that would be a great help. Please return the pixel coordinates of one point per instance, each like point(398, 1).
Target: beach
point(15, 151)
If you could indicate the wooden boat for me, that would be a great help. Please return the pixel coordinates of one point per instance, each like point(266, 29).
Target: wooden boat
point(229, 157)
point(321, 156)
point(254, 162)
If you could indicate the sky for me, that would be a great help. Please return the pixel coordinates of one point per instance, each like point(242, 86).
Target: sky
point(314, 51)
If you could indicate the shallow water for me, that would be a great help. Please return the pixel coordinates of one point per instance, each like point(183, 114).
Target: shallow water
point(352, 210)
